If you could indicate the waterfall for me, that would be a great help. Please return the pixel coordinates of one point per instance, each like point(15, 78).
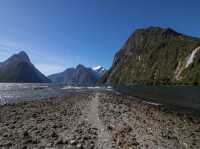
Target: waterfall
point(192, 56)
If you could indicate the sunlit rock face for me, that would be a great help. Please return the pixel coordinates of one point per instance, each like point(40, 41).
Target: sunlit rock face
point(156, 55)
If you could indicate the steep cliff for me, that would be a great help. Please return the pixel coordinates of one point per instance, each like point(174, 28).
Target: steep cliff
point(19, 69)
point(156, 56)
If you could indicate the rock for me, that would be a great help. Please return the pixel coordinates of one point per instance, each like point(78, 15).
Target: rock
point(34, 115)
point(28, 141)
point(49, 145)
point(25, 134)
point(5, 135)
point(91, 145)
point(24, 147)
point(54, 134)
point(79, 146)
point(59, 141)
point(7, 143)
point(93, 131)
point(110, 127)
point(185, 144)
point(12, 127)
point(73, 142)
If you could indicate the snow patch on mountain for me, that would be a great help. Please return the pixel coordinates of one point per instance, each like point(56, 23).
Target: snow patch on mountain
point(99, 69)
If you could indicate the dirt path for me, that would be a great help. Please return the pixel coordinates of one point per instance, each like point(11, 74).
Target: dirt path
point(104, 139)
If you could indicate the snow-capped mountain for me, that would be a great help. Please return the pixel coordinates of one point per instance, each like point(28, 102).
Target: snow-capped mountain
point(80, 76)
point(100, 70)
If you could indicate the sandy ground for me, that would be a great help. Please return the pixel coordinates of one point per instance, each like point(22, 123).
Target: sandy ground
point(96, 120)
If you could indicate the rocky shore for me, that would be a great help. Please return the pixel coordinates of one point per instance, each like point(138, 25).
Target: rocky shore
point(134, 123)
point(96, 120)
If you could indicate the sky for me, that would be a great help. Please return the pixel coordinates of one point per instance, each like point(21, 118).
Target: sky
point(58, 34)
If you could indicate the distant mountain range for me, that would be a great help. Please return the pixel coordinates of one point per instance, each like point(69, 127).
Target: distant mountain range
point(151, 56)
point(18, 68)
point(156, 56)
point(80, 76)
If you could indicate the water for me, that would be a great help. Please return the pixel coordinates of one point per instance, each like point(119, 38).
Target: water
point(192, 56)
point(181, 96)
point(178, 96)
point(15, 92)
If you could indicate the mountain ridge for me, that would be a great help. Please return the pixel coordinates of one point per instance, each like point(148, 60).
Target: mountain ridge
point(19, 69)
point(155, 55)
point(80, 75)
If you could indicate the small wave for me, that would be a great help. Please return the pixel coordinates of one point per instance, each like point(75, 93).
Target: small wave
point(79, 88)
point(152, 103)
point(72, 87)
point(39, 87)
point(89, 87)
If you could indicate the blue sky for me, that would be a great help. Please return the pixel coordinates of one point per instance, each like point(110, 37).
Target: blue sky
point(58, 34)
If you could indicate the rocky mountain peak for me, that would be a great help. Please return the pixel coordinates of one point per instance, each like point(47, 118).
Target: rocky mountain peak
point(155, 29)
point(21, 56)
point(80, 75)
point(156, 55)
point(24, 56)
point(80, 66)
point(18, 68)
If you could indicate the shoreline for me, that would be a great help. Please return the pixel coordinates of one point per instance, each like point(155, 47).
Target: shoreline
point(76, 121)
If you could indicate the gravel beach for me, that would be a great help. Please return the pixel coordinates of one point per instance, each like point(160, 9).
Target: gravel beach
point(96, 120)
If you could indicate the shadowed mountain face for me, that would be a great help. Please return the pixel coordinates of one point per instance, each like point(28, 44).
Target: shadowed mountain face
point(19, 69)
point(156, 56)
point(76, 76)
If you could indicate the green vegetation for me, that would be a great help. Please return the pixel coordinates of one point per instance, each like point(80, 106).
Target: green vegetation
point(155, 56)
point(191, 75)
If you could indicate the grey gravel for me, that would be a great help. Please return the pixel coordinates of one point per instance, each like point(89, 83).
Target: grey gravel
point(96, 120)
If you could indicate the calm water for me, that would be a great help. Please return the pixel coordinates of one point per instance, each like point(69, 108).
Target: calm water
point(182, 96)
point(15, 92)
point(12, 92)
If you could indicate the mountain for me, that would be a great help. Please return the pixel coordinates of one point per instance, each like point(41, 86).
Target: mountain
point(100, 70)
point(156, 55)
point(80, 75)
point(18, 68)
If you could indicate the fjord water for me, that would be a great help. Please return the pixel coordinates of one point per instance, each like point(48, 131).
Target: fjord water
point(15, 92)
point(181, 96)
point(174, 96)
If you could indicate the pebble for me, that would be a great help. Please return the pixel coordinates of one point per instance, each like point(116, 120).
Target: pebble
point(73, 130)
point(79, 145)
point(73, 142)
